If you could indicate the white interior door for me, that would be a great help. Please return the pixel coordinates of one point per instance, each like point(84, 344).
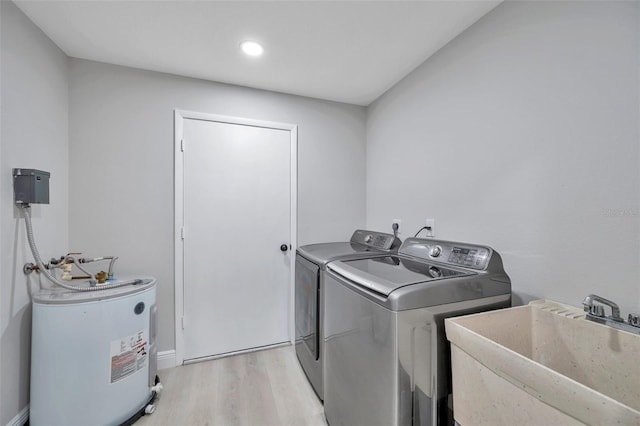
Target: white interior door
point(237, 204)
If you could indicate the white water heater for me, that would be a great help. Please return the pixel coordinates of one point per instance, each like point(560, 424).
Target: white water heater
point(93, 354)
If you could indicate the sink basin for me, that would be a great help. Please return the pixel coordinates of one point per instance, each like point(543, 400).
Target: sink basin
point(543, 363)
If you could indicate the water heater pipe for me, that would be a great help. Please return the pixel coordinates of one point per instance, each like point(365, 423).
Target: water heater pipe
point(34, 250)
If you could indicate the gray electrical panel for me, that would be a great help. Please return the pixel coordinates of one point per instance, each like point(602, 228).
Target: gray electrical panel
point(31, 186)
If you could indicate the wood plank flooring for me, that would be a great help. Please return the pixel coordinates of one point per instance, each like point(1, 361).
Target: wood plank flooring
point(265, 388)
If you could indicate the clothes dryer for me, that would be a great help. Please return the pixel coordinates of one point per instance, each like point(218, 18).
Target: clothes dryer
point(311, 262)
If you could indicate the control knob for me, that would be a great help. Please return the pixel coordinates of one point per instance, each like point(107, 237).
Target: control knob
point(435, 251)
point(435, 272)
point(368, 238)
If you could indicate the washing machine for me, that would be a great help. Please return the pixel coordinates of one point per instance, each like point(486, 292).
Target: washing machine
point(93, 354)
point(386, 355)
point(311, 262)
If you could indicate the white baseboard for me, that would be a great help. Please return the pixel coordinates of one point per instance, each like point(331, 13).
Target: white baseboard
point(166, 359)
point(244, 351)
point(20, 418)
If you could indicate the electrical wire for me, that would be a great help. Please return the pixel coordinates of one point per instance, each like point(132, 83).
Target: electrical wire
point(428, 228)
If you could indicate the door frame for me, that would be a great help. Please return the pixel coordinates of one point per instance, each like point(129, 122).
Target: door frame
point(179, 146)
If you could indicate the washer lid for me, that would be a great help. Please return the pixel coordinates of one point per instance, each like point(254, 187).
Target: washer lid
point(386, 274)
point(59, 295)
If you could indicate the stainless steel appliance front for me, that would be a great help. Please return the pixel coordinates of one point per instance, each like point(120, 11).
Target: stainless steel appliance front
point(308, 321)
point(307, 303)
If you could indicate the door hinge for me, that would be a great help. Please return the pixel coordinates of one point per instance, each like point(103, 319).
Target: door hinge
point(182, 233)
point(182, 323)
point(182, 145)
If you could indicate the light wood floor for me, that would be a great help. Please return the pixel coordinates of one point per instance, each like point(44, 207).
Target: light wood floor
point(261, 388)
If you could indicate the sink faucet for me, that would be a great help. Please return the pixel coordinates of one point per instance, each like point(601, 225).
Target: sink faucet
point(595, 310)
point(595, 313)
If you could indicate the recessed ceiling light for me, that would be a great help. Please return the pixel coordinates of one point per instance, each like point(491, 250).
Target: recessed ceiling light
point(251, 48)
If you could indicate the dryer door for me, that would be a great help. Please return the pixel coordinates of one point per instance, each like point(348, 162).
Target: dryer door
point(306, 306)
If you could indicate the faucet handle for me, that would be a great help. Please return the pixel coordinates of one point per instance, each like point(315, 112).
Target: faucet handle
point(634, 320)
point(597, 310)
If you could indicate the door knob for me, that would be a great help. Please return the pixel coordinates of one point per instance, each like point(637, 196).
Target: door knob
point(284, 247)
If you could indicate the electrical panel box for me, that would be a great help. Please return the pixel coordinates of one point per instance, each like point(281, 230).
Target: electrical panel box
point(31, 186)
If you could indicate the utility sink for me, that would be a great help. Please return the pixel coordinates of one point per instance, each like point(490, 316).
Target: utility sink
point(543, 363)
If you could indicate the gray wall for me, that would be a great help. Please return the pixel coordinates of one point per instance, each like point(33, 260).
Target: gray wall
point(34, 122)
point(522, 134)
point(121, 165)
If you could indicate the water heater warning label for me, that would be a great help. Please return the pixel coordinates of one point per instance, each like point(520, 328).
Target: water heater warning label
point(128, 355)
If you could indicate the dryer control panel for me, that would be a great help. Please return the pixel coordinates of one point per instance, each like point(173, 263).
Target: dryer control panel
point(378, 240)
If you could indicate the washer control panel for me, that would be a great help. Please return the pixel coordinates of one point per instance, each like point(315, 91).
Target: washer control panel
point(459, 254)
point(470, 257)
point(378, 240)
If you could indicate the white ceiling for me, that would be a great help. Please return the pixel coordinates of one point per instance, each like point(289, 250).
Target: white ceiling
point(346, 51)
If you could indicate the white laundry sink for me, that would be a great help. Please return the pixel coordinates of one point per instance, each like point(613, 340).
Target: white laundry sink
point(543, 363)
